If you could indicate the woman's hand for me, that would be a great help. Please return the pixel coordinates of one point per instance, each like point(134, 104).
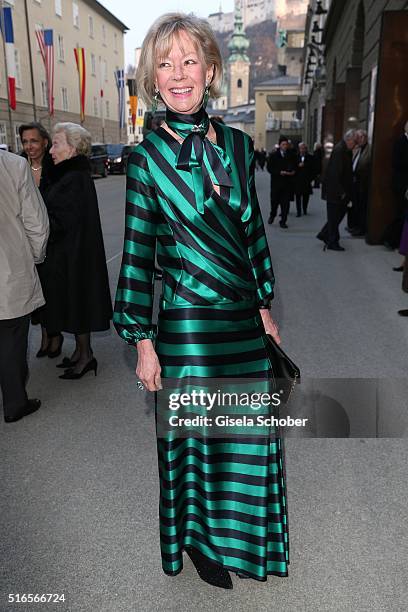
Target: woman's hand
point(270, 325)
point(148, 367)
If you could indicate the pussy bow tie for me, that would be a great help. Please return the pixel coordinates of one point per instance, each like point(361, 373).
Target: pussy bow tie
point(208, 163)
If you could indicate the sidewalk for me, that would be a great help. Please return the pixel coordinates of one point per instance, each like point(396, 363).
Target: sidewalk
point(337, 311)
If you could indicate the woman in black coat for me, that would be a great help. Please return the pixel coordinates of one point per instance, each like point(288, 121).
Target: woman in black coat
point(36, 144)
point(75, 284)
point(303, 179)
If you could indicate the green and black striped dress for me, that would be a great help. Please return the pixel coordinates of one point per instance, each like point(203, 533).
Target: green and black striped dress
point(225, 497)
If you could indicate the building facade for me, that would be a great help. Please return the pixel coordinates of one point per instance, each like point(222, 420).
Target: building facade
point(355, 76)
point(257, 11)
point(135, 133)
point(253, 11)
point(78, 23)
point(279, 104)
point(278, 110)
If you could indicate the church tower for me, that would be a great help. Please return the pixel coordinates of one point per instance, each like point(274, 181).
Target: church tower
point(238, 63)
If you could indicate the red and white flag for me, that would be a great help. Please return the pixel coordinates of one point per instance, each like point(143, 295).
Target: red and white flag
point(8, 34)
point(46, 43)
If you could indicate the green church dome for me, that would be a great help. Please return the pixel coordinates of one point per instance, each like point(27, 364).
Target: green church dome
point(239, 43)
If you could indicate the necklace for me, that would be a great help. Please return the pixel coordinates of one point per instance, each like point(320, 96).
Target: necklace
point(36, 169)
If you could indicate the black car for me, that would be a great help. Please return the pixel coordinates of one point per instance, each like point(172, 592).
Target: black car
point(118, 155)
point(152, 121)
point(99, 159)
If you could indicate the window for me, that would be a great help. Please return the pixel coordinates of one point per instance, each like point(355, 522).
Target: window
point(95, 106)
point(58, 8)
point(60, 48)
point(17, 141)
point(18, 69)
point(115, 42)
point(64, 97)
point(91, 26)
point(107, 108)
point(44, 94)
point(239, 83)
point(93, 64)
point(75, 14)
point(103, 34)
point(3, 134)
point(105, 70)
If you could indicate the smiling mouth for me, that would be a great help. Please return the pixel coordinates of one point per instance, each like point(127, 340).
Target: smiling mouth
point(181, 90)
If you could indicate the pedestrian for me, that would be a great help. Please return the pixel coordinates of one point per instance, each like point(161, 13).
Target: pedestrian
point(75, 277)
point(303, 178)
point(361, 184)
point(191, 190)
point(262, 159)
point(318, 155)
point(403, 249)
point(24, 233)
point(337, 189)
point(257, 159)
point(36, 144)
point(281, 166)
point(351, 225)
point(399, 182)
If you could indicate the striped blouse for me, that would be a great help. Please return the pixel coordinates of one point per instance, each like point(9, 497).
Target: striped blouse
point(217, 257)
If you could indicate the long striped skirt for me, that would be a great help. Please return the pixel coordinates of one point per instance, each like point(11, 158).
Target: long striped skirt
point(225, 497)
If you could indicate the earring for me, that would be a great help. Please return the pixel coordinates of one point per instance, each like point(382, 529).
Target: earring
point(206, 95)
point(155, 101)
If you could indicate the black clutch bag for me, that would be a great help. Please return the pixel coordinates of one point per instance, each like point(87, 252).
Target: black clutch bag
point(285, 373)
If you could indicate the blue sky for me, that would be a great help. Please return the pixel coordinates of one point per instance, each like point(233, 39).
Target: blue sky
point(138, 15)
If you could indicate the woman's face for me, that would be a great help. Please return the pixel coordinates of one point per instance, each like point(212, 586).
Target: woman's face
point(60, 149)
point(182, 76)
point(34, 145)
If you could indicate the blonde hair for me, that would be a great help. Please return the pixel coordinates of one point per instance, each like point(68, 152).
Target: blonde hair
point(158, 42)
point(77, 136)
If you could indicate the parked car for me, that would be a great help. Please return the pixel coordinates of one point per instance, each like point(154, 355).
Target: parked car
point(118, 155)
point(152, 121)
point(99, 159)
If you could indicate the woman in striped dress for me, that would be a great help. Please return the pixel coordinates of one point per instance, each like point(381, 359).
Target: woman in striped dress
point(191, 199)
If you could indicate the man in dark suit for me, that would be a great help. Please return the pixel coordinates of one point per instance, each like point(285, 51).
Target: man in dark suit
point(281, 166)
point(305, 167)
point(337, 189)
point(393, 232)
point(361, 179)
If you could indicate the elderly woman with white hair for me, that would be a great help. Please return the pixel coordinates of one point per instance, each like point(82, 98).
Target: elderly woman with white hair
point(191, 194)
point(75, 279)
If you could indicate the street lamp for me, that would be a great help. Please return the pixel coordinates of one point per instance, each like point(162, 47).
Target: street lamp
point(316, 28)
point(315, 42)
point(319, 9)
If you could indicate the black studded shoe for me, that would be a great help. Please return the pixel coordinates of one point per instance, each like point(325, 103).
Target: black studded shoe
point(209, 571)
